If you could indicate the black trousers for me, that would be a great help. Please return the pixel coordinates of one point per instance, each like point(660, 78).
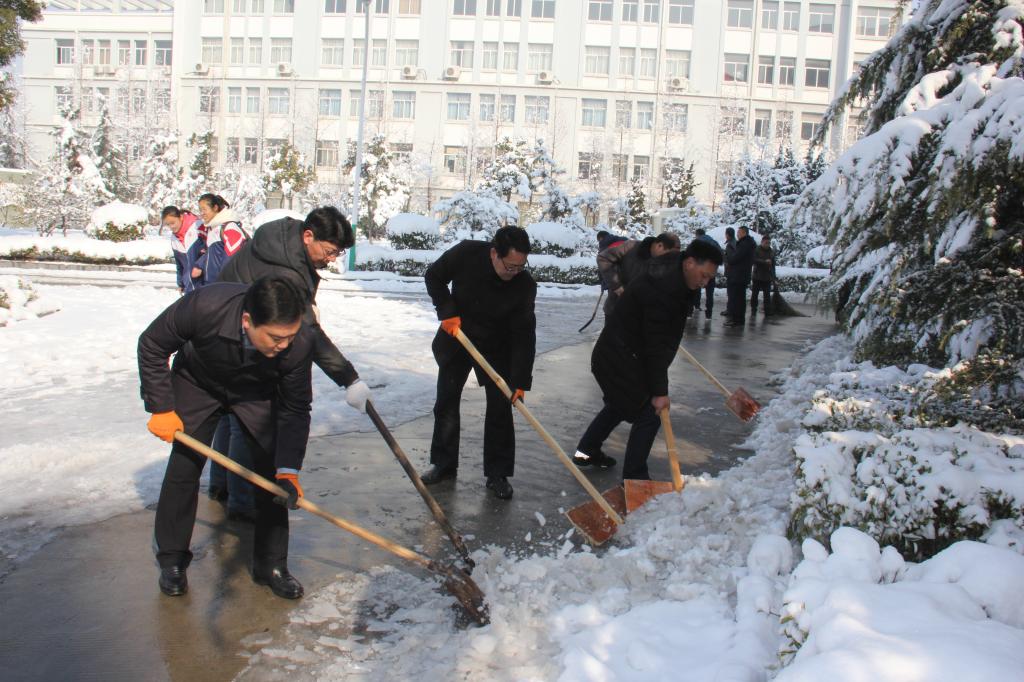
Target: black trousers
point(757, 288)
point(641, 437)
point(499, 431)
point(179, 495)
point(737, 306)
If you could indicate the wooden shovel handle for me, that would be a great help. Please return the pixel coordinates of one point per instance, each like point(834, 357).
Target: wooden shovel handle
point(256, 479)
point(673, 456)
point(705, 372)
point(573, 469)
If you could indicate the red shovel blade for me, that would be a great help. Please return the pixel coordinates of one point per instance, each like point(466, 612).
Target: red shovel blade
point(592, 522)
point(742, 404)
point(639, 492)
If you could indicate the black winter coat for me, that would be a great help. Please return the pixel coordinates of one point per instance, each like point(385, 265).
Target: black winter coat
point(497, 316)
point(213, 370)
point(764, 264)
point(277, 249)
point(639, 341)
point(741, 261)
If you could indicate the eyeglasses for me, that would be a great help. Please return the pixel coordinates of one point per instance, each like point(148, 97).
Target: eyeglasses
point(329, 250)
point(514, 268)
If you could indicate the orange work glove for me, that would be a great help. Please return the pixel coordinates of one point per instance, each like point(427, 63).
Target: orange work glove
point(518, 394)
point(164, 425)
point(452, 325)
point(290, 482)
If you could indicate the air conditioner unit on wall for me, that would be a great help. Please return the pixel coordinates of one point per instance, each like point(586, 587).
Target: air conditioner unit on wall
point(409, 71)
point(202, 68)
point(679, 83)
point(545, 77)
point(452, 73)
point(284, 69)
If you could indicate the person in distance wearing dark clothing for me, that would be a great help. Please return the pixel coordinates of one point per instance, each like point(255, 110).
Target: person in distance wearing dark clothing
point(763, 275)
point(620, 264)
point(237, 350)
point(631, 357)
point(741, 262)
point(730, 249)
point(709, 290)
point(491, 299)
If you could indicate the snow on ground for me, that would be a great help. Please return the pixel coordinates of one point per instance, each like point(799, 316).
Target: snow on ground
point(20, 301)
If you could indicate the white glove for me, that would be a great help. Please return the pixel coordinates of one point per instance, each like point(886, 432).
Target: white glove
point(357, 394)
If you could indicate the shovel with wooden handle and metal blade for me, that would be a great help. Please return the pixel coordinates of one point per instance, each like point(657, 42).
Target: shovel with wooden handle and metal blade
point(457, 582)
point(597, 525)
point(432, 504)
point(639, 492)
point(739, 402)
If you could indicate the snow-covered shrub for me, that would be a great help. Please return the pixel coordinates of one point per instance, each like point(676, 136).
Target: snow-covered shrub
point(270, 215)
point(474, 215)
point(413, 231)
point(819, 257)
point(554, 239)
point(19, 301)
point(118, 222)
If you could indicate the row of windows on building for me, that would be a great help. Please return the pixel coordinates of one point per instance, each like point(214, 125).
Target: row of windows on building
point(122, 100)
point(101, 52)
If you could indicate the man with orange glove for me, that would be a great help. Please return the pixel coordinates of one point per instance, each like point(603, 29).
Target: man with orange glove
point(243, 350)
point(491, 299)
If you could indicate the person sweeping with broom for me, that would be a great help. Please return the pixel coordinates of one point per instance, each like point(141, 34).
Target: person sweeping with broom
point(632, 355)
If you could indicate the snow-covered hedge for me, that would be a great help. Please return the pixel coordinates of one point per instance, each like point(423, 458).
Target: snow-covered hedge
point(413, 231)
point(19, 301)
point(118, 222)
point(554, 239)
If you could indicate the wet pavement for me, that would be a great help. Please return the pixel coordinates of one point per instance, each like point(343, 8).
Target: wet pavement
point(86, 606)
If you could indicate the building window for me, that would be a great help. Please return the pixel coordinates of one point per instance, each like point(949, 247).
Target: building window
point(784, 125)
point(401, 152)
point(810, 126)
point(252, 100)
point(648, 63)
point(88, 51)
point(65, 51)
point(103, 53)
point(250, 150)
point(234, 100)
point(374, 104)
point(510, 56)
point(514, 8)
point(490, 56)
point(627, 61)
point(737, 68)
point(770, 15)
point(542, 9)
point(330, 102)
point(284, 6)
point(358, 51)
point(766, 70)
point(600, 10)
point(733, 121)
point(464, 7)
point(537, 109)
point(641, 167)
point(455, 160)
point(407, 52)
point(280, 50)
point(379, 53)
point(231, 153)
point(623, 114)
point(381, 6)
point(332, 51)
point(124, 101)
point(630, 10)
point(645, 115)
point(458, 106)
point(327, 153)
point(787, 70)
point(596, 60)
point(740, 14)
point(677, 63)
point(213, 6)
point(237, 55)
point(874, 22)
point(762, 123)
point(124, 52)
point(65, 97)
point(278, 101)
point(816, 73)
point(212, 51)
point(539, 56)
point(494, 8)
point(162, 100)
point(594, 112)
point(163, 52)
point(487, 104)
point(334, 6)
point(589, 166)
point(652, 9)
point(676, 116)
point(791, 16)
point(403, 104)
point(620, 167)
point(255, 50)
point(821, 18)
point(507, 110)
point(209, 99)
point(462, 53)
point(408, 6)
point(680, 12)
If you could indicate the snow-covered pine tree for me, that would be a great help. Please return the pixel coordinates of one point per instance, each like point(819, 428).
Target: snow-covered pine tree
point(636, 219)
point(250, 196)
point(792, 240)
point(287, 172)
point(474, 215)
point(11, 16)
point(748, 198)
point(161, 175)
point(511, 170)
point(199, 173)
point(384, 190)
point(108, 156)
point(13, 151)
point(925, 212)
point(680, 183)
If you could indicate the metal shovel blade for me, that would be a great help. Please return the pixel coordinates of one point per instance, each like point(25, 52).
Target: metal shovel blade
point(638, 492)
point(742, 404)
point(592, 522)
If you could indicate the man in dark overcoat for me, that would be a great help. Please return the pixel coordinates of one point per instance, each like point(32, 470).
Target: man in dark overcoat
point(638, 343)
point(491, 299)
point(241, 350)
point(620, 264)
point(763, 275)
point(737, 278)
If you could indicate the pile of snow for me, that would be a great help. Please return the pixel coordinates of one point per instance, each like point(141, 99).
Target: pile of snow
point(412, 223)
point(564, 238)
point(119, 214)
point(19, 301)
point(273, 214)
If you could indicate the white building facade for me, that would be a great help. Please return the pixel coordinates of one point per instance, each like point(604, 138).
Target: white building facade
point(616, 88)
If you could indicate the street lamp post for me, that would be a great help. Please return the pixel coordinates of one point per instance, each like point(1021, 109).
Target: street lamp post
point(357, 181)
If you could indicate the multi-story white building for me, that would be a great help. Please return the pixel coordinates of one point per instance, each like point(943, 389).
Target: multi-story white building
point(615, 87)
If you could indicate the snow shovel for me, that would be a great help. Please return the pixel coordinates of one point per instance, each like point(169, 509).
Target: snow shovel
point(432, 504)
point(593, 314)
point(739, 402)
point(639, 492)
point(456, 581)
point(592, 527)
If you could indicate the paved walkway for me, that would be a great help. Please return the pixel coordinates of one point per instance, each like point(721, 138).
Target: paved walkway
point(87, 606)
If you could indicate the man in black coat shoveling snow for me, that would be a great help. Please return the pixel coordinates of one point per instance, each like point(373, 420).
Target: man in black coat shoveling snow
point(491, 299)
point(632, 356)
point(294, 250)
point(241, 350)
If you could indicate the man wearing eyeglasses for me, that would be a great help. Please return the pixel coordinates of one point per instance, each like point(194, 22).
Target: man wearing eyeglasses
point(481, 288)
point(294, 250)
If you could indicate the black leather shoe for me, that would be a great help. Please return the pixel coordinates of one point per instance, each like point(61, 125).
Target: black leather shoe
point(281, 582)
point(173, 581)
point(500, 486)
point(437, 474)
point(600, 460)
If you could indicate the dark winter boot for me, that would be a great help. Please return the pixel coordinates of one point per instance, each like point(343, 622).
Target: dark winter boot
point(600, 460)
point(437, 474)
point(500, 486)
point(280, 581)
point(173, 581)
